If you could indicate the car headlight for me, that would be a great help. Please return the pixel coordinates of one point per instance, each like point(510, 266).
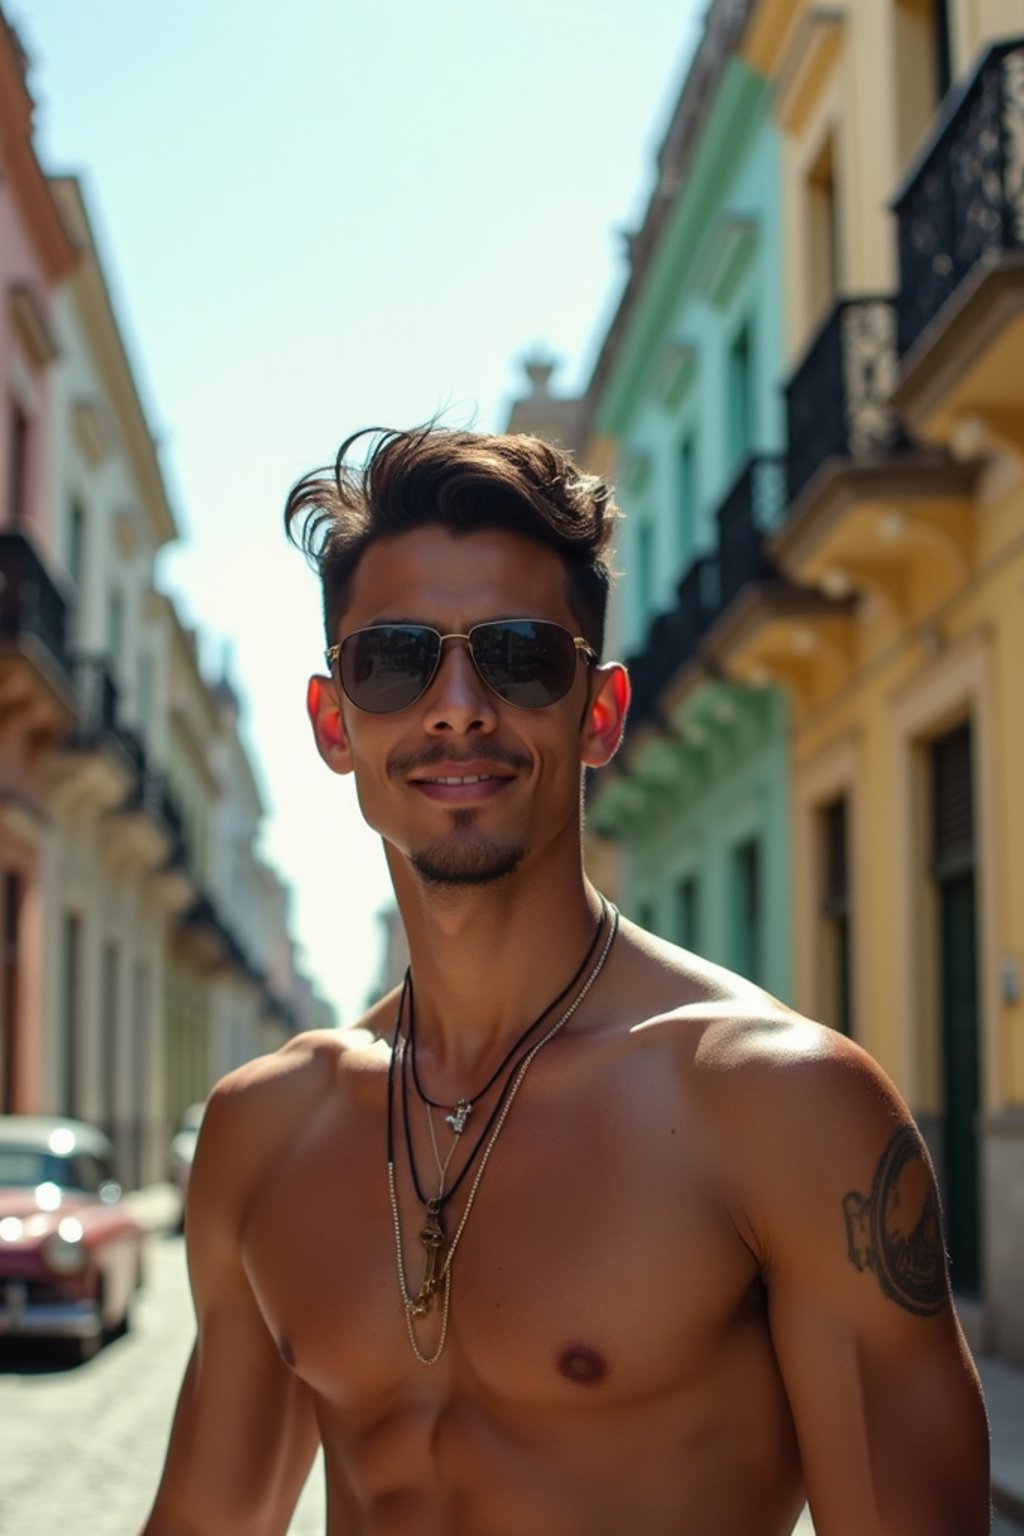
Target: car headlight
point(64, 1250)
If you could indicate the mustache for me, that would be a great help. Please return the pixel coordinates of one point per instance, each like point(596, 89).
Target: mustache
point(404, 763)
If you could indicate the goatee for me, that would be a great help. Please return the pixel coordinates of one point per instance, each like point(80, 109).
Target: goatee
point(474, 860)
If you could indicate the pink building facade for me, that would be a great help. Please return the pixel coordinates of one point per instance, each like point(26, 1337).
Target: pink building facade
point(36, 255)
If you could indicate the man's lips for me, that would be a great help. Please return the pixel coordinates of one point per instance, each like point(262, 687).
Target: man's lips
point(456, 783)
point(448, 769)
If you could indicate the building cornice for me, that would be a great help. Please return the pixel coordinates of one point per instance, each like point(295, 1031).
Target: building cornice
point(32, 190)
point(90, 293)
point(724, 26)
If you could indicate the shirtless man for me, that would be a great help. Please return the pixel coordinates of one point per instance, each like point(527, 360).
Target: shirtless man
point(655, 1266)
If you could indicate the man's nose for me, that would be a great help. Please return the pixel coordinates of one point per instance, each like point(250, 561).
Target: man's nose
point(458, 699)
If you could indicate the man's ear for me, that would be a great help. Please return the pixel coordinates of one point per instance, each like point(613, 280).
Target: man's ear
point(329, 732)
point(605, 719)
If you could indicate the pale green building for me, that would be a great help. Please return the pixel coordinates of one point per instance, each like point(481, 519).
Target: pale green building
point(686, 409)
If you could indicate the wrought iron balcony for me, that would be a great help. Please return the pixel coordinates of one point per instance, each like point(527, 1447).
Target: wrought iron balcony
point(204, 927)
point(95, 700)
point(754, 505)
point(838, 401)
point(152, 796)
point(673, 636)
point(132, 744)
point(97, 758)
point(31, 608)
point(963, 206)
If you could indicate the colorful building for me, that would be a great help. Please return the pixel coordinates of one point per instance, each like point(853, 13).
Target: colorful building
point(146, 946)
point(838, 634)
point(686, 388)
point(904, 233)
point(36, 256)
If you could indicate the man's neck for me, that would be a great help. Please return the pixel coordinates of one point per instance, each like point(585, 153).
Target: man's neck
point(486, 961)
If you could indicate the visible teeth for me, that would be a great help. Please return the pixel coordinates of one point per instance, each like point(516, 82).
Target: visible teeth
point(470, 778)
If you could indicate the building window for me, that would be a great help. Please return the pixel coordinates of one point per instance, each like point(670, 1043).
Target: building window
point(687, 900)
point(924, 67)
point(740, 401)
point(943, 48)
point(835, 917)
point(76, 542)
point(747, 924)
point(954, 884)
point(18, 463)
point(76, 564)
point(71, 988)
point(9, 991)
point(109, 1033)
point(823, 230)
point(688, 497)
point(140, 1045)
point(144, 699)
point(115, 625)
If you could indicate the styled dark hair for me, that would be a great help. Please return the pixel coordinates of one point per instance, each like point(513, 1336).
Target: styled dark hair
point(465, 482)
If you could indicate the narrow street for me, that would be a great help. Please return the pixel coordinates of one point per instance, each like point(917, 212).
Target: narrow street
point(83, 1446)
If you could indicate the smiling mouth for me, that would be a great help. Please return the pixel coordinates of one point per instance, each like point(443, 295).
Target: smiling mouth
point(466, 778)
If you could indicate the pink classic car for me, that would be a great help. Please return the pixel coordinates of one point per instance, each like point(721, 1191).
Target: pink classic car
point(70, 1255)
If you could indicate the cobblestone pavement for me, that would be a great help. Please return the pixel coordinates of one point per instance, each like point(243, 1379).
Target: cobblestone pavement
point(82, 1447)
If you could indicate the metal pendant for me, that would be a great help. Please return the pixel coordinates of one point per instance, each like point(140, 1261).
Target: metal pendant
point(459, 1115)
point(432, 1238)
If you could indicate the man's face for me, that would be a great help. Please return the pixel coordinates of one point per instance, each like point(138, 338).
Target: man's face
point(516, 771)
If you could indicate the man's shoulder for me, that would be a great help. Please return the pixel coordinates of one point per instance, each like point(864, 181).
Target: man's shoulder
point(269, 1095)
point(755, 1067)
point(734, 1031)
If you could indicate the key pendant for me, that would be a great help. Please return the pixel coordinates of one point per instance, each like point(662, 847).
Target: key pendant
point(432, 1238)
point(459, 1115)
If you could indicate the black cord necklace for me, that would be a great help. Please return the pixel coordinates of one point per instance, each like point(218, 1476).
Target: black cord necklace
point(521, 1046)
point(460, 1112)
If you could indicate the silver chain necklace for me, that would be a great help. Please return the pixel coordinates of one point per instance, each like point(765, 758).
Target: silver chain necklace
point(440, 1271)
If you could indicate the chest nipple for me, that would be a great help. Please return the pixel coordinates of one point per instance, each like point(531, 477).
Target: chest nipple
point(581, 1364)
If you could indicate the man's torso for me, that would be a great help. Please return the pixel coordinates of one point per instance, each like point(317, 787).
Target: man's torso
point(608, 1365)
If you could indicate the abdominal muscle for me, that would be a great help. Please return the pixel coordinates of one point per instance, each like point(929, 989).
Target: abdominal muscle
point(717, 1458)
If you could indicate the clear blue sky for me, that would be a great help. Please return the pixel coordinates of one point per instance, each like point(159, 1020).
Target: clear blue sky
point(319, 216)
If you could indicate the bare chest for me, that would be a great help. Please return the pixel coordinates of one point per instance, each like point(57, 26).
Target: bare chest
point(596, 1257)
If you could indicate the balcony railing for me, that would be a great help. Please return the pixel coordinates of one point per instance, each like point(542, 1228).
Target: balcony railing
point(30, 605)
point(963, 206)
point(95, 700)
point(753, 507)
point(152, 796)
point(672, 638)
point(132, 744)
point(838, 401)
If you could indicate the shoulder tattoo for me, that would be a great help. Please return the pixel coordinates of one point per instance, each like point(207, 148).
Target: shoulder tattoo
point(896, 1231)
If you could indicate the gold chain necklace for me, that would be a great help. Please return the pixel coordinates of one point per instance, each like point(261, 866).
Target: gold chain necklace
point(439, 1272)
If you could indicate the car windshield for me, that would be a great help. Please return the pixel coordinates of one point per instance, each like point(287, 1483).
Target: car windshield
point(27, 1167)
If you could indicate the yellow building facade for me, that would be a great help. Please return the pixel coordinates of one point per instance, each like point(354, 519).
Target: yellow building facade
point(896, 626)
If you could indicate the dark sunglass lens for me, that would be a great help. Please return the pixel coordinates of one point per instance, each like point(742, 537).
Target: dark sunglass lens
point(386, 668)
point(529, 662)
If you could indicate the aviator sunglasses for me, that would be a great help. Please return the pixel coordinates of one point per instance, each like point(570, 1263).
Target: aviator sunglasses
point(528, 663)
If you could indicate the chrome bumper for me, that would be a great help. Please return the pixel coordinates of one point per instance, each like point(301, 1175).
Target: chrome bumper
point(21, 1318)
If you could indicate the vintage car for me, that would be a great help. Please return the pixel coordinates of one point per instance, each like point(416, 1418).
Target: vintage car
point(70, 1254)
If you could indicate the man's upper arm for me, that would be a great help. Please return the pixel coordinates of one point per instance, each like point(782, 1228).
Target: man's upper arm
point(244, 1431)
point(845, 1216)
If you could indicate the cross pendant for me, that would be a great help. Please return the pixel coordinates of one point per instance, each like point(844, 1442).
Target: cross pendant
point(459, 1115)
point(432, 1238)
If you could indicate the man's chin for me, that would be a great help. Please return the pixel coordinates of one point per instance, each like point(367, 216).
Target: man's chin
point(466, 862)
